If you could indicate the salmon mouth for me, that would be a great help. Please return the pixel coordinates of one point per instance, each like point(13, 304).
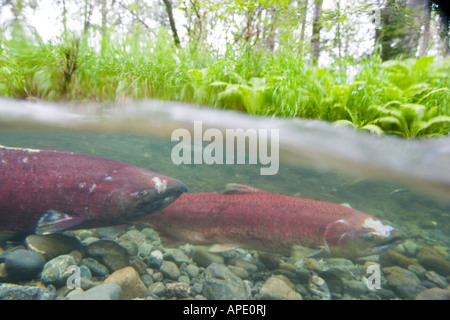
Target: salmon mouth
point(388, 244)
point(155, 201)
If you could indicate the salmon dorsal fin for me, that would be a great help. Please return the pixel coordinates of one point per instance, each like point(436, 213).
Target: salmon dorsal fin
point(235, 188)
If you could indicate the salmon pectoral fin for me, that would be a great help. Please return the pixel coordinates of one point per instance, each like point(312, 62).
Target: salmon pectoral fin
point(235, 188)
point(53, 221)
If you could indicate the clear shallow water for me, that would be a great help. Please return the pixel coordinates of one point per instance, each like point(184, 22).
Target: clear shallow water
point(406, 183)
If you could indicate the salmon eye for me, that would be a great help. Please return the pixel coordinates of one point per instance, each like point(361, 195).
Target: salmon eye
point(142, 193)
point(369, 236)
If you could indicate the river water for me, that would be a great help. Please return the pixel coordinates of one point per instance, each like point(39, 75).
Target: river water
point(404, 182)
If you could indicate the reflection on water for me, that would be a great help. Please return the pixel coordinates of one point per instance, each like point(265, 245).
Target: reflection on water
point(419, 206)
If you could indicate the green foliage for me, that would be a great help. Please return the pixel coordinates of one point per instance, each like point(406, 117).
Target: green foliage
point(410, 98)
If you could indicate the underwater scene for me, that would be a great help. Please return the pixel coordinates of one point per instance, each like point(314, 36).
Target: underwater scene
point(107, 204)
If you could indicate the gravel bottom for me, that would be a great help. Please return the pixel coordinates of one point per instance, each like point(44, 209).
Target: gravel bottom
point(108, 264)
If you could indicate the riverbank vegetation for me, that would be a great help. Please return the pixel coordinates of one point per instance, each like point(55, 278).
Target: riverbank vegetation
point(349, 62)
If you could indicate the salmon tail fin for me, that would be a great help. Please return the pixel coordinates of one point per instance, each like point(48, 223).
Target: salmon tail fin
point(234, 188)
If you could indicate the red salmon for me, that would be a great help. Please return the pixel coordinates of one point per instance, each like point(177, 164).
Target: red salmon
point(49, 191)
point(254, 219)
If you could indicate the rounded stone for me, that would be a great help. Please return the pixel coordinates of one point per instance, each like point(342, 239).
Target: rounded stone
point(177, 256)
point(109, 253)
point(192, 270)
point(105, 291)
point(17, 292)
point(130, 282)
point(170, 270)
point(23, 264)
point(96, 268)
point(56, 271)
point(204, 258)
point(157, 288)
point(434, 294)
point(156, 259)
point(52, 245)
point(219, 283)
point(278, 288)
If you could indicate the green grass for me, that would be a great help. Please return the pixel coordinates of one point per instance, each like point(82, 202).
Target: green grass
point(410, 98)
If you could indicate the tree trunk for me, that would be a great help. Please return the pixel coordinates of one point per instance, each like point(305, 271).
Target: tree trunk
point(270, 40)
point(317, 25)
point(173, 27)
point(426, 31)
point(400, 28)
point(104, 26)
point(443, 33)
point(303, 26)
point(414, 10)
point(87, 17)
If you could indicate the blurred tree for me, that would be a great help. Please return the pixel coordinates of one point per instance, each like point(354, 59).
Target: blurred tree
point(317, 26)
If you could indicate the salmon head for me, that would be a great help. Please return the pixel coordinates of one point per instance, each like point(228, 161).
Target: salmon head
point(360, 235)
point(129, 193)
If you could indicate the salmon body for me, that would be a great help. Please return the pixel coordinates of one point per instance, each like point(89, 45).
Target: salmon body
point(46, 191)
point(260, 220)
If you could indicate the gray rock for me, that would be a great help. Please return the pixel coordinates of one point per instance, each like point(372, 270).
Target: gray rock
point(333, 280)
point(23, 264)
point(144, 249)
point(355, 288)
point(418, 270)
point(55, 271)
point(317, 286)
point(139, 265)
point(197, 288)
point(192, 270)
point(404, 282)
point(240, 272)
point(434, 294)
point(96, 268)
point(105, 291)
point(157, 276)
point(156, 259)
point(179, 290)
point(85, 273)
point(52, 245)
point(170, 270)
point(109, 253)
point(436, 278)
point(157, 288)
point(219, 283)
point(335, 262)
point(16, 292)
point(177, 256)
point(147, 280)
point(132, 248)
point(399, 277)
point(185, 279)
point(204, 258)
point(247, 265)
point(410, 248)
point(87, 241)
point(150, 234)
point(278, 288)
point(86, 284)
